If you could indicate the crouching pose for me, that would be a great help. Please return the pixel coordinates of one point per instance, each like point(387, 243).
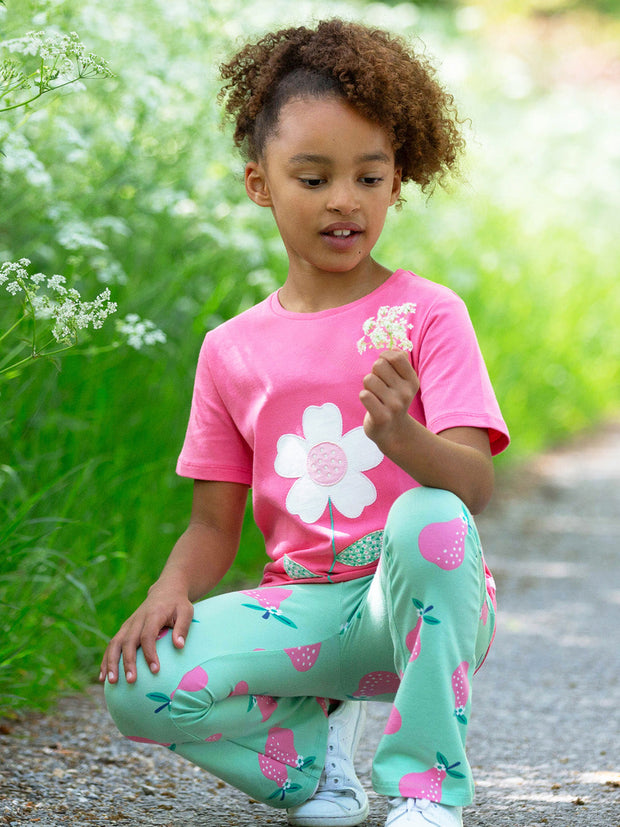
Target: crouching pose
point(354, 401)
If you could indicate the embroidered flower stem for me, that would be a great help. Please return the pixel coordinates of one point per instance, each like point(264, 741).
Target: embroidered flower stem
point(331, 518)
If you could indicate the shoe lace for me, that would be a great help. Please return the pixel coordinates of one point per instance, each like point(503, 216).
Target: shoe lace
point(412, 805)
point(335, 778)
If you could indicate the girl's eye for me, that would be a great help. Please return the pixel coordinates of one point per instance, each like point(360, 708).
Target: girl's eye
point(370, 180)
point(311, 182)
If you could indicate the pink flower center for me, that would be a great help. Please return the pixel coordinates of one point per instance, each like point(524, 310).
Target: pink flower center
point(326, 463)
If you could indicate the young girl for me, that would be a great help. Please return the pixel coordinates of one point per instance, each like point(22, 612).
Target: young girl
point(356, 404)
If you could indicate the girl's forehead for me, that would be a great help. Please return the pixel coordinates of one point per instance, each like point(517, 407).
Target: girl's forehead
point(328, 121)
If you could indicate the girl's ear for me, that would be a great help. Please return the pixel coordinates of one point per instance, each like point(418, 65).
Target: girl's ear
point(256, 184)
point(396, 185)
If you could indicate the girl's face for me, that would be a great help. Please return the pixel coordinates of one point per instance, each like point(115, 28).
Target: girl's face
point(329, 176)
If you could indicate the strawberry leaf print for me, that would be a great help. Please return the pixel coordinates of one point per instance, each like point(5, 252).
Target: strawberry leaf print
point(159, 698)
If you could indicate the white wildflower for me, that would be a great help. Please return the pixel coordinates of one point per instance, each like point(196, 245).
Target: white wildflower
point(389, 329)
point(76, 235)
point(62, 305)
point(140, 332)
point(73, 314)
point(62, 61)
point(42, 307)
point(57, 284)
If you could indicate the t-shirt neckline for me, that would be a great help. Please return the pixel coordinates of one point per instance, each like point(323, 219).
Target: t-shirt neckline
point(277, 308)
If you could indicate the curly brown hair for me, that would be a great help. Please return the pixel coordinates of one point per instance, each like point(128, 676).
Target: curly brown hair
point(374, 71)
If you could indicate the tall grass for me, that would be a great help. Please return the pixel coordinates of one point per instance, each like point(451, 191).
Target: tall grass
point(131, 183)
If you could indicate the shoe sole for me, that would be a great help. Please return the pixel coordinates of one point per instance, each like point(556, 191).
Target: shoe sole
point(348, 820)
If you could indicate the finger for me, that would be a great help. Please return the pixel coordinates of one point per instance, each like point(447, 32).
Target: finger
point(148, 640)
point(374, 406)
point(181, 627)
point(109, 665)
point(394, 362)
point(376, 386)
point(129, 662)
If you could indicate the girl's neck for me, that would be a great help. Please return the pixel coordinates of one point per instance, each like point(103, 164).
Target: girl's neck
point(328, 290)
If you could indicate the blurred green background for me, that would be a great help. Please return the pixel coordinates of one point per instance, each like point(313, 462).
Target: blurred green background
point(131, 183)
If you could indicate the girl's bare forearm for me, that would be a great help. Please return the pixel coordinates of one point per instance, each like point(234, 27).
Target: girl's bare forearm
point(198, 561)
point(205, 551)
point(457, 460)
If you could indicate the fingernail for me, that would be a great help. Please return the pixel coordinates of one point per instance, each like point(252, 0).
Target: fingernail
point(153, 667)
point(110, 676)
point(129, 676)
point(181, 640)
point(100, 676)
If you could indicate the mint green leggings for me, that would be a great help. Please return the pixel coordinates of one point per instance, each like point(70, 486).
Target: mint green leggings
point(247, 697)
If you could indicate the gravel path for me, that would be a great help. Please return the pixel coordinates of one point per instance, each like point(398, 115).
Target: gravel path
point(544, 740)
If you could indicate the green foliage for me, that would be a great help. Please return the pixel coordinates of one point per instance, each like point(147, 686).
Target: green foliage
point(132, 185)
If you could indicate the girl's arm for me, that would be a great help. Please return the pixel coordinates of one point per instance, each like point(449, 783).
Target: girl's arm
point(200, 558)
point(457, 459)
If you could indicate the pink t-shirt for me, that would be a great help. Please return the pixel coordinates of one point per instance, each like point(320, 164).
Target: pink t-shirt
point(276, 406)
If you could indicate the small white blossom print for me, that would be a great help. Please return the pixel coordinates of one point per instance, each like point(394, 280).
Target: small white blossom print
point(389, 329)
point(327, 465)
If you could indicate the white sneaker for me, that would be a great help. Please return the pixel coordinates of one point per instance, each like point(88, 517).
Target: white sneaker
point(339, 800)
point(416, 812)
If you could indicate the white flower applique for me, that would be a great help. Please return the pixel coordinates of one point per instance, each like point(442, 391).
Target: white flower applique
point(328, 466)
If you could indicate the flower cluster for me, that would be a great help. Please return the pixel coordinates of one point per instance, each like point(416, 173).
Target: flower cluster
point(63, 61)
point(388, 329)
point(63, 305)
point(139, 331)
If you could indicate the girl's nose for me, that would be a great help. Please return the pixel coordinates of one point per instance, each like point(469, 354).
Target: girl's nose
point(342, 199)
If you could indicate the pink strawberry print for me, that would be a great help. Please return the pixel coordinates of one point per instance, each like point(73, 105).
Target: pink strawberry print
point(303, 658)
point(413, 641)
point(269, 601)
point(192, 681)
point(241, 688)
point(377, 683)
point(444, 543)
point(265, 703)
point(139, 740)
point(279, 752)
point(427, 785)
point(274, 771)
point(460, 687)
point(324, 704)
point(394, 722)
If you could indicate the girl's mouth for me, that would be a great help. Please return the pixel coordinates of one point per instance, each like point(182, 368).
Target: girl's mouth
point(341, 231)
point(341, 240)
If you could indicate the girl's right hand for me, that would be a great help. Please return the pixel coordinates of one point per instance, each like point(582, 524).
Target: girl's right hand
point(142, 629)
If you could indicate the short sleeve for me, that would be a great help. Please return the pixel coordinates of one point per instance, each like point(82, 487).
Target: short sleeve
point(455, 387)
point(213, 449)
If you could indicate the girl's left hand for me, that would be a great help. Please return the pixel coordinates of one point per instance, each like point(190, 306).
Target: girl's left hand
point(388, 392)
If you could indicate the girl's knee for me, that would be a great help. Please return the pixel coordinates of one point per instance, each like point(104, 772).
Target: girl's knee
point(422, 506)
point(120, 699)
point(137, 709)
point(424, 526)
